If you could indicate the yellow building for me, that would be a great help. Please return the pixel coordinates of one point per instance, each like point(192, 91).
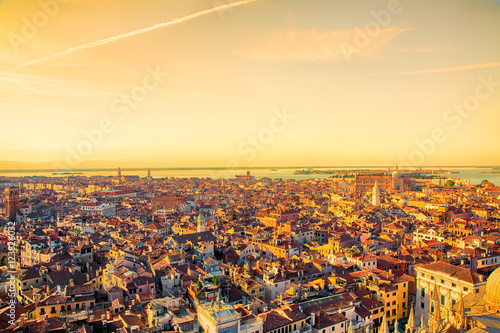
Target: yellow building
point(279, 249)
point(376, 309)
point(324, 249)
point(416, 203)
point(251, 287)
point(391, 291)
point(74, 300)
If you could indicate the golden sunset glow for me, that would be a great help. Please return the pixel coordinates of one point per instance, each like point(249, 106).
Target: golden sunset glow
point(91, 83)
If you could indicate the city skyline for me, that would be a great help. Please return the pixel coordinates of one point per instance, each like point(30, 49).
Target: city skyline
point(249, 83)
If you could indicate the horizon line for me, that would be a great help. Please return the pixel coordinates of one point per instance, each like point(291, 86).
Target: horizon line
point(241, 168)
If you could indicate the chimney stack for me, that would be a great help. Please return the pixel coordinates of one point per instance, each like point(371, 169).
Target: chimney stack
point(255, 307)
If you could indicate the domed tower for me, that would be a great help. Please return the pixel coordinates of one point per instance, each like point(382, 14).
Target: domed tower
point(492, 295)
point(397, 180)
point(396, 174)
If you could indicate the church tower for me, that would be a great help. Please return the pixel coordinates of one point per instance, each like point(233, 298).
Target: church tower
point(201, 223)
point(375, 195)
point(11, 203)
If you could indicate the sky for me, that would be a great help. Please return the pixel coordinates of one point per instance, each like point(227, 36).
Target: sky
point(220, 83)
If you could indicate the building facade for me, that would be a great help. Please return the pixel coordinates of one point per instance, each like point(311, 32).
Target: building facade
point(447, 283)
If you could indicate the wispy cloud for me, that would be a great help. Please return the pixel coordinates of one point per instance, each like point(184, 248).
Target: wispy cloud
point(319, 46)
point(458, 68)
point(429, 49)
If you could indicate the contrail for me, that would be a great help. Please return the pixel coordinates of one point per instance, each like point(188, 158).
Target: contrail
point(108, 40)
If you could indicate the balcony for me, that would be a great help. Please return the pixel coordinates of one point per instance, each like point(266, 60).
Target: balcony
point(75, 315)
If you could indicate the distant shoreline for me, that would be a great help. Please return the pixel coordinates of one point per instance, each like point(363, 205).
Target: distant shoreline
point(74, 171)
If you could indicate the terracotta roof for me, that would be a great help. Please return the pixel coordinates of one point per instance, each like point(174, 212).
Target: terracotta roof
point(454, 271)
point(324, 320)
point(273, 320)
point(206, 236)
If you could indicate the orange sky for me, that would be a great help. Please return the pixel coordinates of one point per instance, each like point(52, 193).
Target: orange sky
point(249, 83)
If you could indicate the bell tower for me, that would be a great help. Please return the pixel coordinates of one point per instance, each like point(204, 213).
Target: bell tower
point(11, 202)
point(375, 195)
point(201, 223)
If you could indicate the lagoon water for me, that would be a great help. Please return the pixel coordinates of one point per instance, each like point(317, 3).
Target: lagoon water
point(475, 174)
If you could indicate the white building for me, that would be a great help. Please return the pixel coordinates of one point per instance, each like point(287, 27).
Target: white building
point(449, 281)
point(364, 261)
point(95, 208)
point(218, 317)
point(427, 234)
point(457, 181)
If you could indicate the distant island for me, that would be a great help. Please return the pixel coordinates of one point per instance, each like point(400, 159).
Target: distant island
point(347, 173)
point(67, 173)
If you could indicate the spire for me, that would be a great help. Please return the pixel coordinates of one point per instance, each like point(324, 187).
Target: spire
point(384, 328)
point(396, 329)
point(434, 293)
point(434, 322)
point(448, 307)
point(461, 314)
point(410, 326)
point(437, 309)
point(422, 325)
point(461, 308)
